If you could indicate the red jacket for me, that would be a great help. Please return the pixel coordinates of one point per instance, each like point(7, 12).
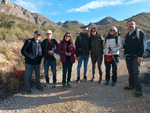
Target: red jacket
point(62, 49)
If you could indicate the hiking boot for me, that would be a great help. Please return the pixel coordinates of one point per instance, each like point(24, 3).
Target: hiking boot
point(69, 85)
point(129, 87)
point(78, 79)
point(54, 85)
point(47, 84)
point(29, 92)
point(99, 82)
point(64, 87)
point(107, 83)
point(138, 94)
point(85, 78)
point(40, 88)
point(113, 83)
point(92, 80)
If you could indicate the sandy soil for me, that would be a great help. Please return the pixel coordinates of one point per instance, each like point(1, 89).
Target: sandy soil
point(85, 97)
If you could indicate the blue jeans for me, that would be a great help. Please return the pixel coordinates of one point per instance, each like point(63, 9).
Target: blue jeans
point(114, 68)
point(99, 60)
point(134, 74)
point(28, 76)
point(67, 66)
point(85, 58)
point(48, 63)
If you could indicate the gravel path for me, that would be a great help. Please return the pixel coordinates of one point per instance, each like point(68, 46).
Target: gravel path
point(85, 97)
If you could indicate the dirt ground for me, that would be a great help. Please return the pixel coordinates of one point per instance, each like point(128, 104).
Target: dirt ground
point(86, 97)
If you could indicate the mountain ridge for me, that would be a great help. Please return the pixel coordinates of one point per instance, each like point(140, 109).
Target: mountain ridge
point(10, 8)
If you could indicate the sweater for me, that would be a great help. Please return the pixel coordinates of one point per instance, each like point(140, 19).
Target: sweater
point(134, 45)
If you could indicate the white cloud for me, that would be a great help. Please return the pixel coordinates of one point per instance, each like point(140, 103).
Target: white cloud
point(53, 13)
point(60, 4)
point(133, 1)
point(30, 5)
point(95, 4)
point(102, 3)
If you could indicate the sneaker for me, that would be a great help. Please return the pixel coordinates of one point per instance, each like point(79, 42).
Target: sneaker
point(85, 78)
point(107, 83)
point(92, 80)
point(54, 85)
point(129, 87)
point(113, 83)
point(69, 85)
point(78, 80)
point(138, 94)
point(40, 88)
point(99, 82)
point(29, 92)
point(64, 87)
point(47, 84)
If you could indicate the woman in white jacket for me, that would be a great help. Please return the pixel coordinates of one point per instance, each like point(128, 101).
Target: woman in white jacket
point(112, 45)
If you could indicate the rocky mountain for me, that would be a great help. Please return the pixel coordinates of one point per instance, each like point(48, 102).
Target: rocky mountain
point(142, 19)
point(12, 9)
point(72, 24)
point(105, 21)
point(91, 24)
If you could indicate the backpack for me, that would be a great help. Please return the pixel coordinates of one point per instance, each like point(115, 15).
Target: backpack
point(116, 38)
point(137, 34)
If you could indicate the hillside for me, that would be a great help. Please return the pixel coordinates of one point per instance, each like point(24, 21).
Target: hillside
point(12, 9)
point(105, 21)
point(142, 19)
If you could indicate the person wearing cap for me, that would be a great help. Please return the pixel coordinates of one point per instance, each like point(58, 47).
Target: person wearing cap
point(49, 46)
point(32, 52)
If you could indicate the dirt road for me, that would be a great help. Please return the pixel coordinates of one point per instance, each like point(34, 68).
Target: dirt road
point(85, 97)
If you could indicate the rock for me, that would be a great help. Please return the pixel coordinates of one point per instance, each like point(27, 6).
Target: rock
point(86, 94)
point(16, 10)
point(145, 78)
point(73, 110)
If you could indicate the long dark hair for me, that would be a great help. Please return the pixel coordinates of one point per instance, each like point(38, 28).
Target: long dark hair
point(66, 35)
point(94, 29)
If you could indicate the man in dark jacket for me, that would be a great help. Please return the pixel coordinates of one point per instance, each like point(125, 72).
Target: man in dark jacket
point(82, 46)
point(49, 46)
point(135, 44)
point(32, 52)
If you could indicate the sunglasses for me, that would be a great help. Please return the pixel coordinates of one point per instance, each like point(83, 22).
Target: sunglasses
point(68, 36)
point(93, 31)
point(112, 30)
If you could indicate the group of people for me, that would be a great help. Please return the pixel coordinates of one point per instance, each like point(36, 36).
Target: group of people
point(134, 46)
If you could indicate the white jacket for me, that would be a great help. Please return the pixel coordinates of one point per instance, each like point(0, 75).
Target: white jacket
point(112, 44)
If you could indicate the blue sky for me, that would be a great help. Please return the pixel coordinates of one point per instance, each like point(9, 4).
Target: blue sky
point(85, 11)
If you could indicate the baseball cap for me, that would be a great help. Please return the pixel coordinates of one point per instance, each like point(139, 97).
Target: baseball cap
point(37, 32)
point(48, 31)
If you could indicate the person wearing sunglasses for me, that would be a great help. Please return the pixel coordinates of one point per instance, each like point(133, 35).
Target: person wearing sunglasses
point(112, 45)
point(96, 47)
point(67, 49)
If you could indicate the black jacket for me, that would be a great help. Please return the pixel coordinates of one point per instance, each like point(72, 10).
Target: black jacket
point(96, 45)
point(46, 46)
point(134, 45)
point(82, 45)
point(32, 52)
